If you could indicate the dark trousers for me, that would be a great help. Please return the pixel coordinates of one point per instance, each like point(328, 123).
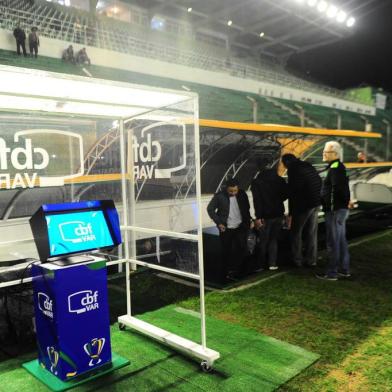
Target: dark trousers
point(33, 48)
point(304, 225)
point(339, 257)
point(268, 245)
point(233, 250)
point(21, 44)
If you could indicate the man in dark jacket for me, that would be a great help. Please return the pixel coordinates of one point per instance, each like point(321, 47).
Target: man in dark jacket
point(336, 203)
point(229, 209)
point(20, 38)
point(269, 192)
point(304, 201)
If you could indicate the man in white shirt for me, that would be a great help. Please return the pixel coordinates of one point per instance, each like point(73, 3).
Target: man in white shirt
point(229, 209)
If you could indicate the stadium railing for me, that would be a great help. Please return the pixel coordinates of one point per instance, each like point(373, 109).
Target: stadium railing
point(76, 26)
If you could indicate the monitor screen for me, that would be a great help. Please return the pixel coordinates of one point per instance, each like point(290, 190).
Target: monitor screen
point(65, 229)
point(77, 232)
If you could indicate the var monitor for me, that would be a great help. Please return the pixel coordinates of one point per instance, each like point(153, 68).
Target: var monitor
point(61, 230)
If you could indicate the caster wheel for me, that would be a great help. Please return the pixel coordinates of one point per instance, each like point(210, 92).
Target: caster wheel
point(206, 367)
point(121, 327)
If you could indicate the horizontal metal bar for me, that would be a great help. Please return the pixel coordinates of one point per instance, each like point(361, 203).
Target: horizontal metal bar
point(191, 237)
point(165, 269)
point(5, 243)
point(15, 282)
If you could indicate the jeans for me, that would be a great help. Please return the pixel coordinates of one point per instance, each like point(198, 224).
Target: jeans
point(304, 223)
point(268, 248)
point(233, 250)
point(33, 48)
point(19, 45)
point(339, 257)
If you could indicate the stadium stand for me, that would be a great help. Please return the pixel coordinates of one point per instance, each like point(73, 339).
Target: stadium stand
point(72, 25)
point(77, 26)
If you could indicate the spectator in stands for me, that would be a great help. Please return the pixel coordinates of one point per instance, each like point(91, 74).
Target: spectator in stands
point(68, 55)
point(361, 157)
point(82, 58)
point(77, 30)
point(304, 200)
point(336, 203)
point(90, 34)
point(229, 209)
point(33, 42)
point(269, 192)
point(20, 37)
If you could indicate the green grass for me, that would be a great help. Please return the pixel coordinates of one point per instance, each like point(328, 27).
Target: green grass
point(249, 360)
point(347, 322)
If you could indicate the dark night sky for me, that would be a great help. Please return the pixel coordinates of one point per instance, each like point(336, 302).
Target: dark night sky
point(363, 58)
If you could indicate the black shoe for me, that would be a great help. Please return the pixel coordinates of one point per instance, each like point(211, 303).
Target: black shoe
point(327, 277)
point(344, 274)
point(313, 265)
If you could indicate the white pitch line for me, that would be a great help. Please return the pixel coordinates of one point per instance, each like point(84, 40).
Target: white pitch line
point(87, 72)
point(247, 286)
point(192, 313)
point(371, 238)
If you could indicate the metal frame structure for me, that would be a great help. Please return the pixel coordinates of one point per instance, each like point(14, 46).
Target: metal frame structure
point(289, 26)
point(155, 101)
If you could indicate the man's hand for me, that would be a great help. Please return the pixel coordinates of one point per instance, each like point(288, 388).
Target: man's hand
point(252, 225)
point(259, 223)
point(289, 220)
point(222, 228)
point(351, 204)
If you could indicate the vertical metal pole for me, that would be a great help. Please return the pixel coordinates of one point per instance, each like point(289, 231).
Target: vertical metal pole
point(199, 224)
point(366, 143)
point(339, 121)
point(71, 156)
point(388, 146)
point(254, 108)
point(130, 165)
point(301, 114)
point(125, 214)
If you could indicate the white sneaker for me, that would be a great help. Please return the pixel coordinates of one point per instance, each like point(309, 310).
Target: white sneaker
point(273, 267)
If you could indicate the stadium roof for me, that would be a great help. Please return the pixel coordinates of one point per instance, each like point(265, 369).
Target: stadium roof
point(277, 28)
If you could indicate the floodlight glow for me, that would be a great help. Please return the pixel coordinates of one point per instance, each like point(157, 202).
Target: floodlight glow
point(312, 3)
point(341, 17)
point(350, 22)
point(230, 22)
point(322, 6)
point(332, 11)
point(190, 9)
point(262, 34)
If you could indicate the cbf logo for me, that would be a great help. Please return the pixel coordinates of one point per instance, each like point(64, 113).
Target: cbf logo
point(147, 152)
point(93, 349)
point(83, 301)
point(76, 232)
point(45, 304)
point(22, 160)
